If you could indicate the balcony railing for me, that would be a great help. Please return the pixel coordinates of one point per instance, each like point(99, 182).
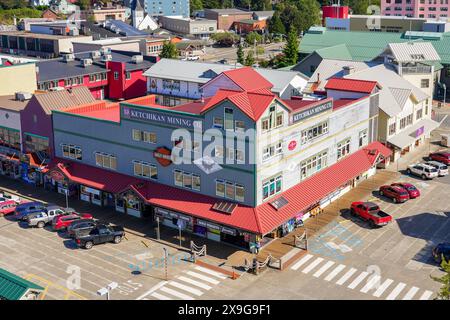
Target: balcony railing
point(416, 70)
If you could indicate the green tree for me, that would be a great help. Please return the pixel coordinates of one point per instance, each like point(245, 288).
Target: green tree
point(250, 58)
point(225, 38)
point(240, 54)
point(276, 25)
point(262, 5)
point(290, 50)
point(196, 5)
point(83, 4)
point(444, 292)
point(253, 37)
point(169, 50)
point(309, 11)
point(212, 4)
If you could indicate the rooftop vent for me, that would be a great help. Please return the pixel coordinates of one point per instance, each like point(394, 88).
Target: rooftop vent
point(95, 54)
point(68, 57)
point(86, 62)
point(348, 70)
point(22, 96)
point(107, 57)
point(105, 50)
point(137, 59)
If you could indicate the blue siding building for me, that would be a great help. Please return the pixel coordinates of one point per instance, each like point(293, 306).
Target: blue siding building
point(167, 8)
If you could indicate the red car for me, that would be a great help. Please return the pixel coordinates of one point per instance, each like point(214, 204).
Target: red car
point(411, 189)
point(63, 221)
point(443, 157)
point(8, 207)
point(397, 194)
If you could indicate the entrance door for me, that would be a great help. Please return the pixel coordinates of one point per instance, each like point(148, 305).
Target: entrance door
point(147, 212)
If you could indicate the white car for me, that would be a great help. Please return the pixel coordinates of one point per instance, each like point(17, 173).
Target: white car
point(441, 168)
point(422, 170)
point(4, 197)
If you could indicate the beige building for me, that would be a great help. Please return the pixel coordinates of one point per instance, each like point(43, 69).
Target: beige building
point(103, 14)
point(18, 78)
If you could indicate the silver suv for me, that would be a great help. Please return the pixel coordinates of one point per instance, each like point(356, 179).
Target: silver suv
point(422, 170)
point(40, 219)
point(441, 168)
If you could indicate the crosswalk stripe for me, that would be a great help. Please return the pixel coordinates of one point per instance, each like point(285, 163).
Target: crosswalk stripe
point(211, 272)
point(396, 291)
point(334, 273)
point(383, 288)
point(346, 276)
point(371, 283)
point(411, 293)
point(358, 280)
point(426, 295)
point(176, 293)
point(202, 277)
point(324, 268)
point(301, 262)
point(195, 283)
point(186, 288)
point(312, 265)
point(160, 296)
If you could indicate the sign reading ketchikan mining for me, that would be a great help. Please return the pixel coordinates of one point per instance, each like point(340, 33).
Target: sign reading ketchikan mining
point(160, 117)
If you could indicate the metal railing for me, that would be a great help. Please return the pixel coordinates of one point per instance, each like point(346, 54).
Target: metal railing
point(197, 251)
point(301, 241)
point(256, 266)
point(416, 70)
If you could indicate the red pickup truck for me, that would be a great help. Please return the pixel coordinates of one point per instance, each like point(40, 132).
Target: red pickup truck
point(371, 212)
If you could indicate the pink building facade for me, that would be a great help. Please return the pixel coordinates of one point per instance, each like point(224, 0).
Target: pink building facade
point(429, 9)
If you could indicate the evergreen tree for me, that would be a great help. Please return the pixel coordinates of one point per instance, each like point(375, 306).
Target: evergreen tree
point(196, 5)
point(276, 25)
point(444, 292)
point(250, 59)
point(240, 54)
point(290, 50)
point(168, 51)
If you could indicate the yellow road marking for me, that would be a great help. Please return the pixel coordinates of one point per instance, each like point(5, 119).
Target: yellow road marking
point(51, 283)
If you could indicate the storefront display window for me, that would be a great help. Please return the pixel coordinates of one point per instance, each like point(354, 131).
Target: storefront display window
point(9, 138)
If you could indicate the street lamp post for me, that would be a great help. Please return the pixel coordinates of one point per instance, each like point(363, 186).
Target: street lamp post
point(445, 92)
point(179, 234)
point(67, 198)
point(165, 262)
point(157, 229)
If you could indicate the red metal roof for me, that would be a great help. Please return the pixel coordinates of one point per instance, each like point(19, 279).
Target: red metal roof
point(93, 177)
point(98, 110)
point(248, 79)
point(352, 85)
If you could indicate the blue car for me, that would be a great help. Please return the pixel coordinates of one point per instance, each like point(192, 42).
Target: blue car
point(22, 210)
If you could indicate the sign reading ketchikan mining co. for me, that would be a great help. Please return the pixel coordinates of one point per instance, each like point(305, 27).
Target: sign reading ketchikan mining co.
point(159, 117)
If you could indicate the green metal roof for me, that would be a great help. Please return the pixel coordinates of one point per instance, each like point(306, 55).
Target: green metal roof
point(339, 52)
point(365, 46)
point(13, 287)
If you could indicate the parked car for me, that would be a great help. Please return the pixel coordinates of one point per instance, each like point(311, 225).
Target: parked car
point(439, 166)
point(396, 193)
point(442, 249)
point(411, 189)
point(443, 157)
point(62, 222)
point(6, 197)
point(422, 170)
point(101, 234)
point(369, 211)
point(41, 218)
point(7, 207)
point(22, 210)
point(81, 227)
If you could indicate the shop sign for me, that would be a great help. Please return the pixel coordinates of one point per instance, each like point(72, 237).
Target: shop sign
point(213, 226)
point(91, 190)
point(420, 131)
point(162, 211)
point(168, 119)
point(201, 223)
point(325, 106)
point(229, 231)
point(292, 145)
point(57, 176)
point(163, 156)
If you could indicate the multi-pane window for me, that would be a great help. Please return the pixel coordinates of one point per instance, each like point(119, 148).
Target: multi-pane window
point(36, 144)
point(314, 132)
point(10, 138)
point(392, 127)
point(409, 119)
point(218, 122)
point(106, 160)
point(274, 120)
point(72, 152)
point(363, 138)
point(228, 119)
point(313, 164)
point(186, 180)
point(145, 170)
point(272, 186)
point(425, 83)
point(127, 75)
point(230, 190)
point(343, 148)
point(239, 125)
point(419, 114)
point(139, 135)
point(272, 150)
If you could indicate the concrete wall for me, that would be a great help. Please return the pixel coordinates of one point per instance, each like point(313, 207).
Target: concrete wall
point(66, 45)
point(92, 46)
point(15, 78)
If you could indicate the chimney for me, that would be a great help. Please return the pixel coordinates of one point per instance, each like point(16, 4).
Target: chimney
point(348, 70)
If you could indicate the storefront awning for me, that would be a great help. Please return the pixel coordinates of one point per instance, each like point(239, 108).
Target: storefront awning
point(93, 177)
point(411, 134)
point(265, 217)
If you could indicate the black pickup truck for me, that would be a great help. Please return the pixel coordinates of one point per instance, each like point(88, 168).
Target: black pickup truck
point(100, 234)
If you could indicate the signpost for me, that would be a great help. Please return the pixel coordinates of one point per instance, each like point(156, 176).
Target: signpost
point(165, 263)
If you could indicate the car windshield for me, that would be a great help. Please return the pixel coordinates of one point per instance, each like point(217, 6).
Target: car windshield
point(373, 208)
point(411, 188)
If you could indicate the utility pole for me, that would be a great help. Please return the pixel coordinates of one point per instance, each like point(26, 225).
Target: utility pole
point(157, 229)
point(165, 263)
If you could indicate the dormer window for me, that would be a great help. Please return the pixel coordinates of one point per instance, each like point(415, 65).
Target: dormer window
point(274, 120)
